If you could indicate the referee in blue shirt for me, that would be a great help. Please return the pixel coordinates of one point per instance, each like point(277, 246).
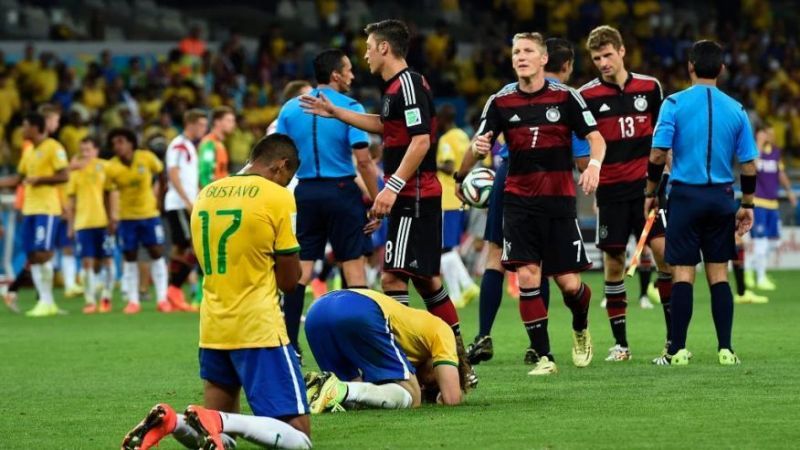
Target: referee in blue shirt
point(329, 203)
point(705, 129)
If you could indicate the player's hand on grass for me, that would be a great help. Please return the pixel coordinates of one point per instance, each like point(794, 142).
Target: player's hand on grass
point(589, 179)
point(482, 145)
point(744, 221)
point(383, 204)
point(320, 106)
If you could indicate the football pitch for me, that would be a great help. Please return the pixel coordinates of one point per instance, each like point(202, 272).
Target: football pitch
point(80, 382)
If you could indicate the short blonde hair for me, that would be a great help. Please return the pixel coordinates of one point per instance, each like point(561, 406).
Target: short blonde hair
point(602, 36)
point(531, 36)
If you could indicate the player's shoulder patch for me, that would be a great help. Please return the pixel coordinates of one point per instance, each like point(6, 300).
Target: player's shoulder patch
point(510, 88)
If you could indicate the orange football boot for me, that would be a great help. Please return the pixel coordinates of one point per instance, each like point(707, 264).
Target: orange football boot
point(159, 423)
point(319, 287)
point(90, 308)
point(178, 300)
point(132, 308)
point(208, 423)
point(105, 305)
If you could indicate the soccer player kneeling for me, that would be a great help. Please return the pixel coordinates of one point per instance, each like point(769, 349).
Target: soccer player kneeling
point(390, 355)
point(242, 230)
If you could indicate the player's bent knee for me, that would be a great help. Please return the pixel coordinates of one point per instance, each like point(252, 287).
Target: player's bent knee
point(569, 284)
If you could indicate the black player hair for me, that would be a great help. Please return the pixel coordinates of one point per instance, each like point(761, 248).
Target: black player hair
point(393, 31)
point(35, 119)
point(559, 52)
point(93, 140)
point(126, 133)
point(276, 146)
point(328, 61)
point(706, 57)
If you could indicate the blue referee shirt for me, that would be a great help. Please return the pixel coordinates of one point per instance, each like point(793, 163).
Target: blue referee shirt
point(580, 147)
point(704, 127)
point(324, 144)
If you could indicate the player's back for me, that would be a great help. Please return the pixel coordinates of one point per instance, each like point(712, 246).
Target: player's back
point(420, 334)
point(239, 224)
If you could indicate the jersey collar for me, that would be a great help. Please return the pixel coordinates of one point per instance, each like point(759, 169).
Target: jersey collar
point(615, 85)
point(547, 83)
point(389, 82)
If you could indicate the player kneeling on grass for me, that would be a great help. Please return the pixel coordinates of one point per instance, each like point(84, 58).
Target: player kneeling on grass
point(242, 228)
point(390, 355)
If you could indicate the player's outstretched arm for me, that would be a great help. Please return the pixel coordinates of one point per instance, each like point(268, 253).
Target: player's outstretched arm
point(449, 384)
point(10, 181)
point(323, 107)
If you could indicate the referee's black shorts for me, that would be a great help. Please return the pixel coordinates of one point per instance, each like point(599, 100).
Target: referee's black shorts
point(180, 230)
point(702, 219)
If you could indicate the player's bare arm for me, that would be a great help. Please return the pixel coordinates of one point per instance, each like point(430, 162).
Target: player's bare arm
point(287, 271)
point(449, 385)
point(787, 186)
point(590, 176)
point(414, 155)
point(10, 181)
point(744, 216)
point(175, 179)
point(323, 107)
point(60, 177)
point(655, 167)
point(69, 215)
point(367, 171)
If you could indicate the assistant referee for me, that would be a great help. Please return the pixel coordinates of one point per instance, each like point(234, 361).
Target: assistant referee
point(704, 128)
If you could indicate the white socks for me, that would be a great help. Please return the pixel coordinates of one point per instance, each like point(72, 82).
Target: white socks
point(190, 438)
point(42, 275)
point(107, 276)
point(130, 280)
point(158, 270)
point(760, 250)
point(69, 270)
point(384, 396)
point(265, 431)
point(90, 288)
point(455, 274)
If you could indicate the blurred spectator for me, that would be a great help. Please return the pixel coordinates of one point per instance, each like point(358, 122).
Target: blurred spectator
point(193, 44)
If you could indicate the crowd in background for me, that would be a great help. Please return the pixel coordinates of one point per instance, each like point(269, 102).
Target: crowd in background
point(150, 94)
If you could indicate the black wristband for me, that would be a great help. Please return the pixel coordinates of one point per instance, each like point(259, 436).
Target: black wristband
point(654, 171)
point(458, 178)
point(748, 184)
point(747, 205)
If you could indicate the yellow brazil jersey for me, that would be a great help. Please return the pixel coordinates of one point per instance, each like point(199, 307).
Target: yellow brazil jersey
point(452, 147)
point(239, 224)
point(420, 334)
point(87, 185)
point(44, 160)
point(135, 184)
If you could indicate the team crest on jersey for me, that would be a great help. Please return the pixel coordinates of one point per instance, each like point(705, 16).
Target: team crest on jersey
point(140, 168)
point(640, 103)
point(386, 107)
point(553, 114)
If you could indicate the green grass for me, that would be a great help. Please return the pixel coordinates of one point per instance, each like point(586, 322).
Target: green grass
point(78, 382)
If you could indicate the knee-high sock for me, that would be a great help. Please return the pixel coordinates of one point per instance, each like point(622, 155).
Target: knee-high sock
point(760, 250)
point(450, 274)
point(91, 286)
point(534, 316)
point(108, 281)
point(645, 273)
point(69, 270)
point(384, 396)
point(682, 302)
point(617, 308)
point(400, 296)
point(130, 281)
point(490, 297)
point(722, 312)
point(664, 285)
point(265, 431)
point(42, 275)
point(439, 305)
point(293, 303)
point(579, 305)
point(158, 270)
point(738, 270)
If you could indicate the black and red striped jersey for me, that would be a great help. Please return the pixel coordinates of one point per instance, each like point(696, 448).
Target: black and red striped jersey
point(408, 111)
point(538, 130)
point(625, 117)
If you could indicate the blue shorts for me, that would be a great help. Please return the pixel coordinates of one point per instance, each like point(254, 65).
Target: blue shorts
point(701, 219)
point(38, 232)
point(766, 224)
point(494, 218)
point(349, 336)
point(94, 243)
point(270, 377)
point(330, 210)
point(62, 236)
point(452, 228)
point(380, 235)
point(133, 233)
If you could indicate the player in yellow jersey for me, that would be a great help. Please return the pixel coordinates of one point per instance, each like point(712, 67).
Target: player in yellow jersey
point(243, 234)
point(88, 223)
point(132, 172)
point(452, 147)
point(42, 168)
point(388, 354)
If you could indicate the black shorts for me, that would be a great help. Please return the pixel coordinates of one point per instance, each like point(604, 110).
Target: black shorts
point(331, 210)
point(555, 244)
point(180, 230)
point(618, 221)
point(414, 245)
point(701, 219)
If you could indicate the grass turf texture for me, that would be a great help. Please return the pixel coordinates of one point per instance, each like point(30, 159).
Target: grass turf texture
point(80, 382)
